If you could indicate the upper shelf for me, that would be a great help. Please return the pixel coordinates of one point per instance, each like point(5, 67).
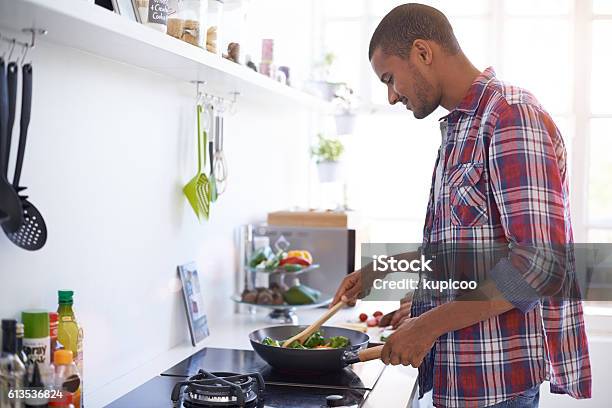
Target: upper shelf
point(90, 28)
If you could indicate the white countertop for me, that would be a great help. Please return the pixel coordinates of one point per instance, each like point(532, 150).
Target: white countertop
point(393, 389)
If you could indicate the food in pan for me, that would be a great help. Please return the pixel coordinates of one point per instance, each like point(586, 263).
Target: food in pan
point(315, 341)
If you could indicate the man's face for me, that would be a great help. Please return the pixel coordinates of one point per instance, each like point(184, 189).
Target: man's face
point(406, 83)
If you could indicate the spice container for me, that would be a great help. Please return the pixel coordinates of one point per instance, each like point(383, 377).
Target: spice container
point(188, 22)
point(214, 38)
point(36, 340)
point(153, 13)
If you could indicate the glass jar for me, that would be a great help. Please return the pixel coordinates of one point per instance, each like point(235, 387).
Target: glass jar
point(187, 21)
point(214, 37)
point(235, 26)
point(153, 13)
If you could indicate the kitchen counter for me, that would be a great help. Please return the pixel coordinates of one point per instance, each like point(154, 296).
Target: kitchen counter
point(230, 330)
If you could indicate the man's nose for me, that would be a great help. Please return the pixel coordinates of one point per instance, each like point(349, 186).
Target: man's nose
point(392, 96)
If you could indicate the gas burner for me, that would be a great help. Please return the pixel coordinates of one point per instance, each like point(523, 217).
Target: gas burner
point(219, 390)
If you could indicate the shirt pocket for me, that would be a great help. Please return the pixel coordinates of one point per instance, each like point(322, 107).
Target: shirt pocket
point(468, 199)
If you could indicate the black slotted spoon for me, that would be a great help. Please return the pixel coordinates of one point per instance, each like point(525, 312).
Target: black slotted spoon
point(32, 235)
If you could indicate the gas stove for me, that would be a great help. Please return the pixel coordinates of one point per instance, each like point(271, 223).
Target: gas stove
point(219, 390)
point(216, 377)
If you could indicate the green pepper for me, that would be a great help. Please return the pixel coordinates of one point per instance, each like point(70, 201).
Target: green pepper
point(296, 345)
point(258, 257)
point(338, 342)
point(292, 267)
point(316, 339)
point(270, 342)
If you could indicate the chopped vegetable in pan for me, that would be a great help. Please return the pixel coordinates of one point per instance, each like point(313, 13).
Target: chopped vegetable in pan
point(270, 342)
point(315, 341)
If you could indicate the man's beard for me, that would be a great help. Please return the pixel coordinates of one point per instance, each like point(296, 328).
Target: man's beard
point(422, 88)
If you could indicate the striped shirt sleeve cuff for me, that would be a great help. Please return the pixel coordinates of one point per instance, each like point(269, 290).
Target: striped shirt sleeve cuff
point(511, 284)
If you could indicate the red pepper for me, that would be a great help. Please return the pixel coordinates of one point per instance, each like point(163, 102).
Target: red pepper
point(294, 260)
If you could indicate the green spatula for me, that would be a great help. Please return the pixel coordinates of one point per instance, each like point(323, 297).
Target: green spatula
point(197, 190)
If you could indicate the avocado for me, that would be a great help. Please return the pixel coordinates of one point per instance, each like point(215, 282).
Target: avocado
point(301, 295)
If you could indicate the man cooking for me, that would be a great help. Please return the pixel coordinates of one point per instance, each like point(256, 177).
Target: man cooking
point(500, 178)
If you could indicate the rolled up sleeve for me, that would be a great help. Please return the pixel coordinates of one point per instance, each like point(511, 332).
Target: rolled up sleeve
point(526, 164)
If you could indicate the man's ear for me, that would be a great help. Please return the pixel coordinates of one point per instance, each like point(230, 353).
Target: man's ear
point(422, 51)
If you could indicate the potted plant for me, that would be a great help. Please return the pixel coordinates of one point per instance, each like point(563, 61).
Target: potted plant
point(345, 108)
point(327, 153)
point(320, 84)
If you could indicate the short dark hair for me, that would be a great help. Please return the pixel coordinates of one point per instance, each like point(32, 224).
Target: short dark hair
point(404, 24)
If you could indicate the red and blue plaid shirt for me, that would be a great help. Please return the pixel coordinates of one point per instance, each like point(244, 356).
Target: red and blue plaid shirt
point(505, 182)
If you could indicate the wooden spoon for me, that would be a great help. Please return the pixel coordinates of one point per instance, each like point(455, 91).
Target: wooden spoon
point(309, 331)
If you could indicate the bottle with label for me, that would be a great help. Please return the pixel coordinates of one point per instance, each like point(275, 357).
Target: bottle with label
point(69, 333)
point(53, 325)
point(12, 370)
point(67, 380)
point(20, 352)
point(36, 343)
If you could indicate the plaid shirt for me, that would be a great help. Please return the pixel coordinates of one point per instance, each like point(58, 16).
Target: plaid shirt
point(505, 182)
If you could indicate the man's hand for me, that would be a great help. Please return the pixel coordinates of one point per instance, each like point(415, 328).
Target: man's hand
point(409, 344)
point(397, 317)
point(349, 289)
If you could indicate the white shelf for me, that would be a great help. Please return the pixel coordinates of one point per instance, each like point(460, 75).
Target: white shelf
point(90, 28)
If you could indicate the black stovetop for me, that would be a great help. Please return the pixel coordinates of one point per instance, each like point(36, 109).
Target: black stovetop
point(156, 394)
point(359, 376)
point(283, 389)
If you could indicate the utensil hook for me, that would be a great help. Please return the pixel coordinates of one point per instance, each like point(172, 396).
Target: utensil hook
point(33, 32)
point(13, 44)
point(199, 94)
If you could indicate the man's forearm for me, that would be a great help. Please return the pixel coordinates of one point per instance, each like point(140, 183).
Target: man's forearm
point(478, 305)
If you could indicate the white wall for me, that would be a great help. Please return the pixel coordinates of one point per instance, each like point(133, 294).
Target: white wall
point(110, 148)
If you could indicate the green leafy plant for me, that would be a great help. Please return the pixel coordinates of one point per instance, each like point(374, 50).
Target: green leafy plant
point(327, 150)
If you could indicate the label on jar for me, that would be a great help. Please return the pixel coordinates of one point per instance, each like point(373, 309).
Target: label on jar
point(158, 11)
point(38, 350)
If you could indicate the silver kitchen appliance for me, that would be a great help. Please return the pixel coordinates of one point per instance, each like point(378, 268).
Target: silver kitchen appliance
point(333, 249)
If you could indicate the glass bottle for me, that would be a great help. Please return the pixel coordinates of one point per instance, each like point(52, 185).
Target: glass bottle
point(69, 333)
point(12, 370)
point(67, 377)
point(20, 352)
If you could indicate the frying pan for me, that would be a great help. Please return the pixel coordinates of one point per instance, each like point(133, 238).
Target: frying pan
point(320, 360)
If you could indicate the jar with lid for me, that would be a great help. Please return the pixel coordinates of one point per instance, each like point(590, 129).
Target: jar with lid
point(214, 37)
point(187, 21)
point(153, 13)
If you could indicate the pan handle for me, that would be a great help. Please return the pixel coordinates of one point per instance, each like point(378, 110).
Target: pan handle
point(352, 357)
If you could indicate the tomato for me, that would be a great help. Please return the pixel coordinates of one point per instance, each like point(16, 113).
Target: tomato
point(372, 322)
point(307, 256)
point(377, 313)
point(294, 260)
point(363, 317)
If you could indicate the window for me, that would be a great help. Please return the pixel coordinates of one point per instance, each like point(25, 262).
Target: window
point(601, 86)
point(530, 43)
point(600, 171)
point(602, 7)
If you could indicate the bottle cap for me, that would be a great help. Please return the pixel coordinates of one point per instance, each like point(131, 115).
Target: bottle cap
point(19, 329)
point(9, 324)
point(62, 357)
point(65, 296)
point(36, 324)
